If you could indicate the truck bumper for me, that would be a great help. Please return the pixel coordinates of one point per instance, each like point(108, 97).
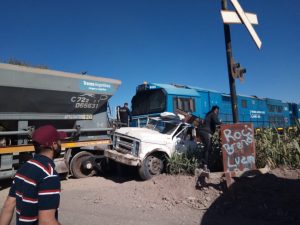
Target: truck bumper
point(126, 159)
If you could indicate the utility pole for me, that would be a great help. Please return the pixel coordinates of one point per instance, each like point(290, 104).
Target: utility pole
point(229, 66)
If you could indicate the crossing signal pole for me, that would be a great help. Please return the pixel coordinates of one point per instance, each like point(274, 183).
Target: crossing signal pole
point(230, 67)
point(234, 69)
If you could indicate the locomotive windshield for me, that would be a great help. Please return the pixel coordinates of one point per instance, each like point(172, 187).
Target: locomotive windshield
point(148, 102)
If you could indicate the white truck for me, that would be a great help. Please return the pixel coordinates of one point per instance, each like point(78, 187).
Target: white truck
point(149, 147)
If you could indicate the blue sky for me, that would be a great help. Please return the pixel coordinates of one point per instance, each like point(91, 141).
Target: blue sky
point(163, 41)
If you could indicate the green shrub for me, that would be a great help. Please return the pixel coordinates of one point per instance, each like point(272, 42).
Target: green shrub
point(275, 149)
point(186, 163)
point(182, 163)
point(215, 157)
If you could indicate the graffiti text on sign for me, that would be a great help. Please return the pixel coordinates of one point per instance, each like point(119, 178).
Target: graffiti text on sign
point(244, 160)
point(240, 139)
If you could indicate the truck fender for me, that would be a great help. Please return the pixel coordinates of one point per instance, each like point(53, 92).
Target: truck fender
point(157, 152)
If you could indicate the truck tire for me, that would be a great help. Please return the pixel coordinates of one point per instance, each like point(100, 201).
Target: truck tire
point(80, 165)
point(151, 166)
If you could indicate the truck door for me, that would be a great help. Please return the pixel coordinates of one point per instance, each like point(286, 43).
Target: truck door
point(183, 140)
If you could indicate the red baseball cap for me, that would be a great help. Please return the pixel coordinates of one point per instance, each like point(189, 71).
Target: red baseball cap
point(47, 134)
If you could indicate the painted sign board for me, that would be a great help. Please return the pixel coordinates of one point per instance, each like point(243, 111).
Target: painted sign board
point(238, 147)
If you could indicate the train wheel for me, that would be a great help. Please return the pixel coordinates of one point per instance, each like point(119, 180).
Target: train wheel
point(81, 165)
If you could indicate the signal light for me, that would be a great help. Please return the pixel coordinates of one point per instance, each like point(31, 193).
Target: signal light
point(237, 71)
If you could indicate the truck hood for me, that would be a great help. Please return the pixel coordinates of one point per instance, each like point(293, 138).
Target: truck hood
point(144, 134)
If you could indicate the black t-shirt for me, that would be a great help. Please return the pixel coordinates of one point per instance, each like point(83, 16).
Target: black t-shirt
point(124, 114)
point(211, 121)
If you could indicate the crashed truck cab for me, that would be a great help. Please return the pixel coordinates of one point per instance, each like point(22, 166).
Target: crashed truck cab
point(149, 147)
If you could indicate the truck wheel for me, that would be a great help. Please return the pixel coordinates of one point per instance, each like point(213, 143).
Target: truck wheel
point(151, 166)
point(81, 165)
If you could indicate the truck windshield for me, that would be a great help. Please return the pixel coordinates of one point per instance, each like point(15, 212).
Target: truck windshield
point(164, 127)
point(148, 102)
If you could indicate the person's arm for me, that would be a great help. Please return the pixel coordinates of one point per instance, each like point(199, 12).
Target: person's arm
point(47, 217)
point(7, 210)
point(216, 119)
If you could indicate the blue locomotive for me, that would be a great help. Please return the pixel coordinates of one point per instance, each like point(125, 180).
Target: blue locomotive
point(151, 99)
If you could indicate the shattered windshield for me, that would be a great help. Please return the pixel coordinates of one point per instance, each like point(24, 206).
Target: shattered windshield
point(164, 127)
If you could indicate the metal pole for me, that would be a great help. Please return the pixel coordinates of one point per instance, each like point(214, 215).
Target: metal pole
point(229, 65)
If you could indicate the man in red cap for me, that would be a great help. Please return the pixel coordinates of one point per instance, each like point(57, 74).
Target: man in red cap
point(35, 191)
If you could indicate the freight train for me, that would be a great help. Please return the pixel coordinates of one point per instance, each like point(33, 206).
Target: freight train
point(151, 99)
point(74, 103)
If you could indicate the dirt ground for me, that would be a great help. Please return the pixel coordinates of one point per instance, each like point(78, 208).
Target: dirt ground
point(272, 198)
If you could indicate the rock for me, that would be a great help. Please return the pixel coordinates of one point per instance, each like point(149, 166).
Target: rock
point(206, 191)
point(208, 199)
point(191, 198)
point(164, 198)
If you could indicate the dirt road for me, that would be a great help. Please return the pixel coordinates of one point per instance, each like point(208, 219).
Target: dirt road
point(102, 201)
point(116, 201)
point(267, 199)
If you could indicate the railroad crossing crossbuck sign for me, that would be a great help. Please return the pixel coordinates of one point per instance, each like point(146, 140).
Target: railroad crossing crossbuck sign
point(239, 16)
